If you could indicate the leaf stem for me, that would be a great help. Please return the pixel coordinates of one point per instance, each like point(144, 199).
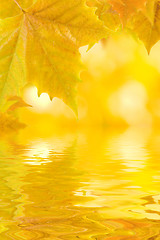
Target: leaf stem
point(18, 5)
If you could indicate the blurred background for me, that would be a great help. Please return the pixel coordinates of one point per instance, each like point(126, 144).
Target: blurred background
point(97, 176)
point(120, 87)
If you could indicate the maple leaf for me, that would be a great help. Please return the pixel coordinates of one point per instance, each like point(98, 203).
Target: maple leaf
point(142, 17)
point(106, 13)
point(147, 26)
point(9, 120)
point(149, 10)
point(9, 123)
point(10, 8)
point(12, 67)
point(15, 103)
point(117, 13)
point(127, 8)
point(40, 43)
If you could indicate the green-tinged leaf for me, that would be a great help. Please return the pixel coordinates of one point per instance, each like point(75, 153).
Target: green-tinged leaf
point(12, 57)
point(41, 46)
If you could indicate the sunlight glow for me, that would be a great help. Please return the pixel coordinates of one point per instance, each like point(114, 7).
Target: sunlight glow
point(129, 147)
point(38, 153)
point(129, 102)
point(43, 104)
point(40, 104)
point(120, 86)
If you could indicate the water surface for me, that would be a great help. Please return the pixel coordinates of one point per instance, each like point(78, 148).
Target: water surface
point(92, 184)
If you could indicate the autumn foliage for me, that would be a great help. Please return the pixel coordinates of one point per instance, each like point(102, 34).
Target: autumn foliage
point(40, 40)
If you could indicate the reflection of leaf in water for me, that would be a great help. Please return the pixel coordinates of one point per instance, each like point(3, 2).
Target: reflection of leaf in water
point(48, 187)
point(42, 200)
point(3, 149)
point(58, 176)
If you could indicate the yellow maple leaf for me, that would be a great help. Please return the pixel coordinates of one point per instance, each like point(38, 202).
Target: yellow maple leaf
point(10, 8)
point(9, 123)
point(127, 8)
point(106, 13)
point(141, 17)
point(149, 10)
point(116, 12)
point(147, 24)
point(39, 44)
